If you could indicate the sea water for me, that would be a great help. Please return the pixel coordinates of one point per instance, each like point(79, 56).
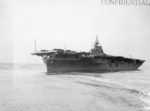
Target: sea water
point(36, 90)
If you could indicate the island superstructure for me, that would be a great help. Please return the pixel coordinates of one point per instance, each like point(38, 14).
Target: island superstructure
point(95, 60)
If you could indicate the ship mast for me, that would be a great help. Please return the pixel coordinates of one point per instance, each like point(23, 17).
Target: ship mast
point(96, 42)
point(65, 47)
point(35, 46)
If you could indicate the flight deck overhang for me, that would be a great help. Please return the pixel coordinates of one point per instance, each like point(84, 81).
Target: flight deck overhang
point(41, 53)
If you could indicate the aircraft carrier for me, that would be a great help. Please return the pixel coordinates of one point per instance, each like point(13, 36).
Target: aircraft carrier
point(95, 60)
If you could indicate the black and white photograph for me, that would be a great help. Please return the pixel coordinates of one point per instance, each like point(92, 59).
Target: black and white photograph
point(74, 55)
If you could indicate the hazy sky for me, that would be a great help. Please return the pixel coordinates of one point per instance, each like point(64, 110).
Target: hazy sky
point(122, 30)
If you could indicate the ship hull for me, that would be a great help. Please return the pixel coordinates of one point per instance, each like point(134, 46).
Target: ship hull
point(93, 65)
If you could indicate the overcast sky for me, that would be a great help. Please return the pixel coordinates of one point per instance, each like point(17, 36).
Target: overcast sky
point(122, 30)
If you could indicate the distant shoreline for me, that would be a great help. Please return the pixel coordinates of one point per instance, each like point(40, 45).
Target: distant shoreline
point(12, 66)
